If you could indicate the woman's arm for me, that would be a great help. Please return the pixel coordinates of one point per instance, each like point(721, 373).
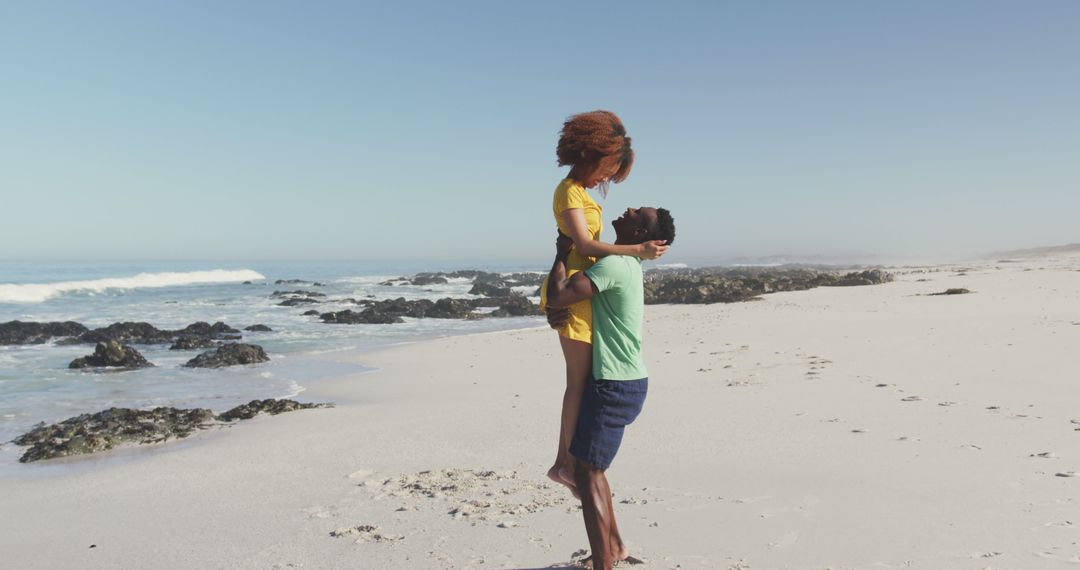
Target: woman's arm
point(574, 218)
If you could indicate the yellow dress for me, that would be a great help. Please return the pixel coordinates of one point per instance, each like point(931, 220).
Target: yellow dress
point(569, 195)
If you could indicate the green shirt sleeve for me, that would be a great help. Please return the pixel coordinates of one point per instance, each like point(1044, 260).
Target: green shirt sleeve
point(608, 273)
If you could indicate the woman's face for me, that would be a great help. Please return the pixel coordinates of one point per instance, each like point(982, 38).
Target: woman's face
point(599, 173)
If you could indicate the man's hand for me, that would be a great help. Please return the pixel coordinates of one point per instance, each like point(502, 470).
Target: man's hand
point(557, 318)
point(653, 249)
point(563, 245)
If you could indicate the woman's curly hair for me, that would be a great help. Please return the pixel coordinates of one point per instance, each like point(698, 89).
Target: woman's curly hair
point(598, 137)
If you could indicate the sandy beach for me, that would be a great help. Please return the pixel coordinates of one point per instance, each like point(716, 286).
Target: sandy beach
point(846, 427)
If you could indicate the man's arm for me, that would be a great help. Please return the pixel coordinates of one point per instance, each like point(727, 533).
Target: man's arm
point(563, 292)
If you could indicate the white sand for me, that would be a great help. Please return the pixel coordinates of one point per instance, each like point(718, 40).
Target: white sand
point(768, 441)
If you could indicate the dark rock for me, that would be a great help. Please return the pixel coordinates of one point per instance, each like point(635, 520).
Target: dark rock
point(230, 354)
point(724, 285)
point(317, 284)
point(309, 313)
point(424, 279)
point(294, 301)
point(369, 316)
point(193, 343)
point(204, 329)
point(395, 281)
point(297, 293)
point(126, 332)
point(112, 354)
point(17, 332)
point(490, 290)
point(246, 283)
point(871, 277)
point(447, 308)
point(292, 282)
point(517, 305)
point(272, 407)
point(956, 291)
point(104, 430)
point(258, 328)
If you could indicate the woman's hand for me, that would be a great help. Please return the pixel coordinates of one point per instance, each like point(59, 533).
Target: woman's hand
point(653, 249)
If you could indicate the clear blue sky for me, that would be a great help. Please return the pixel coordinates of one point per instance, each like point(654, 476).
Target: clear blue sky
point(408, 130)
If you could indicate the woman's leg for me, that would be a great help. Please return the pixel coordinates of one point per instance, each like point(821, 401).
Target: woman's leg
point(578, 357)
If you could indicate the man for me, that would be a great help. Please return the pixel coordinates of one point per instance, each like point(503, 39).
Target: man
point(616, 390)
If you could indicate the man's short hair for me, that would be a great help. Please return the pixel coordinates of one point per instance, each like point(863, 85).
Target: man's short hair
point(664, 228)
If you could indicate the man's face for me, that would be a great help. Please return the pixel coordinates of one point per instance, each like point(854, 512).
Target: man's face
point(633, 226)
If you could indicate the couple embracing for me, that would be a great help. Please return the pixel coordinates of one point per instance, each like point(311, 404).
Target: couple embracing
point(594, 297)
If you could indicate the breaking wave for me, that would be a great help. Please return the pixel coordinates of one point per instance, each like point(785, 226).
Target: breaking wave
point(39, 292)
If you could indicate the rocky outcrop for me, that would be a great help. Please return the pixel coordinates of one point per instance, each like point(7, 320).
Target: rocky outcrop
point(145, 333)
point(126, 332)
point(260, 328)
point(297, 293)
point(394, 310)
point(295, 301)
point(18, 332)
point(230, 354)
point(448, 308)
point(870, 277)
point(200, 328)
point(193, 343)
point(490, 290)
point(956, 291)
point(720, 285)
point(272, 407)
point(309, 313)
point(89, 433)
point(369, 316)
point(425, 279)
point(517, 305)
point(112, 354)
point(104, 430)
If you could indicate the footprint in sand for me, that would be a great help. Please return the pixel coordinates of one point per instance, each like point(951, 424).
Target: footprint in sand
point(786, 541)
point(366, 533)
point(1059, 557)
point(361, 474)
point(1065, 474)
point(1045, 455)
point(912, 399)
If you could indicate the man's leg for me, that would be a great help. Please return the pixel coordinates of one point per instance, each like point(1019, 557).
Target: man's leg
point(599, 514)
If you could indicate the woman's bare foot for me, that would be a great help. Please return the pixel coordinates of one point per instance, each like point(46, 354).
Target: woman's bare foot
point(563, 476)
point(567, 476)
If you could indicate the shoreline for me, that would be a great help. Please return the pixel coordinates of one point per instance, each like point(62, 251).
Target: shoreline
point(832, 427)
point(352, 356)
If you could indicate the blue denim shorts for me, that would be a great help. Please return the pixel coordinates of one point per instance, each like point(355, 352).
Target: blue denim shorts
point(607, 407)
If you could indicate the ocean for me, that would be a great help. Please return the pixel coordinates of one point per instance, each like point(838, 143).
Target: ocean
point(37, 386)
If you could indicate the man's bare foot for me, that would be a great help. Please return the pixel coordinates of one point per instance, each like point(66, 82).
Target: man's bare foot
point(563, 476)
point(622, 559)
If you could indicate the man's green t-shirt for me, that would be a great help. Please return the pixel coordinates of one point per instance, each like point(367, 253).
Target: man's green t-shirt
point(617, 313)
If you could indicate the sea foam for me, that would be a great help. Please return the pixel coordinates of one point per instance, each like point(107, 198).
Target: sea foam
point(39, 292)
